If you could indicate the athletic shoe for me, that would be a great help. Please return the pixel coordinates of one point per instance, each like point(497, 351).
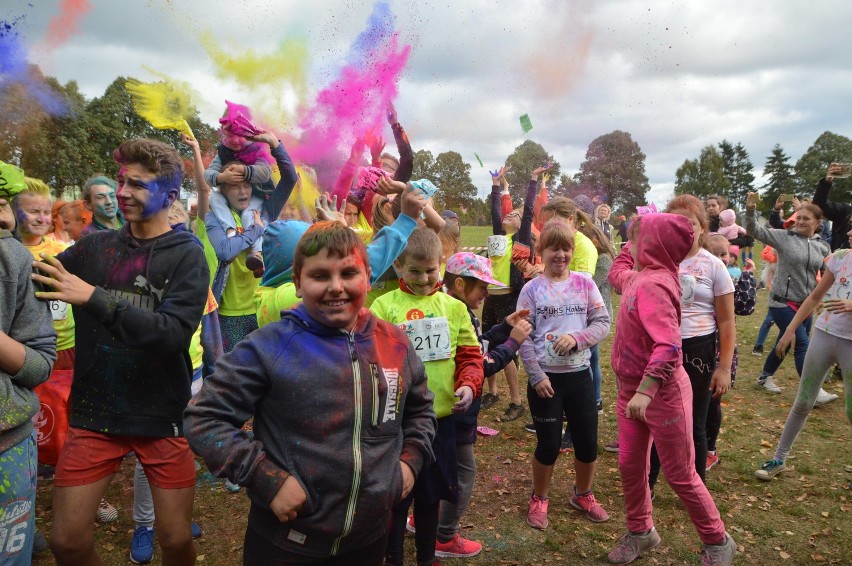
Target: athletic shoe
point(600, 408)
point(488, 400)
point(769, 384)
point(712, 460)
point(537, 514)
point(770, 469)
point(409, 525)
point(232, 487)
point(142, 545)
point(530, 427)
point(847, 468)
point(719, 554)
point(757, 350)
point(457, 547)
point(824, 398)
point(106, 512)
point(589, 505)
point(611, 447)
point(513, 412)
point(196, 530)
point(631, 546)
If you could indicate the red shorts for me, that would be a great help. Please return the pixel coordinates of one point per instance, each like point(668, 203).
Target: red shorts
point(90, 456)
point(65, 358)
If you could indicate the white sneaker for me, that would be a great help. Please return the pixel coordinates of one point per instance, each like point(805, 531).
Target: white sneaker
point(824, 397)
point(769, 384)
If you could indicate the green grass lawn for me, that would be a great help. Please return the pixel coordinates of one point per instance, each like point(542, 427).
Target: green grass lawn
point(801, 517)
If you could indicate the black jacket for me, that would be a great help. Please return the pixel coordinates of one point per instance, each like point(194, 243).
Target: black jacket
point(837, 212)
point(132, 372)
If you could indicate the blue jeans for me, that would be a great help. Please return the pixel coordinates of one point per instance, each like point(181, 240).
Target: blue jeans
point(783, 317)
point(595, 364)
point(764, 330)
point(17, 503)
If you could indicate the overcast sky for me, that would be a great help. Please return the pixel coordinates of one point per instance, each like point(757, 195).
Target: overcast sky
point(676, 75)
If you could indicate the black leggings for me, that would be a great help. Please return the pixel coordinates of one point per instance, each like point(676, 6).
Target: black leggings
point(714, 422)
point(573, 396)
point(257, 551)
point(699, 361)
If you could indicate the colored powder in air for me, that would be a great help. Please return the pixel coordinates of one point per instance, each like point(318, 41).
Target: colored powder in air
point(353, 105)
point(64, 25)
point(267, 76)
point(165, 104)
point(380, 28)
point(15, 69)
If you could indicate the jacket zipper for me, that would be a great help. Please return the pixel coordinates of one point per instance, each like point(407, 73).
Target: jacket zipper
point(356, 447)
point(376, 401)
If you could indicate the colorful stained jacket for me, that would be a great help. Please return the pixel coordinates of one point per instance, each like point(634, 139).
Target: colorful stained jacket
point(337, 410)
point(647, 351)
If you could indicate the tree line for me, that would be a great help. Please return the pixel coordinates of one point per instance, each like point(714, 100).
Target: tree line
point(63, 150)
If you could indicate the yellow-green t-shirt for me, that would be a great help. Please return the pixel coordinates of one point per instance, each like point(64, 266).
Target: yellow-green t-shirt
point(196, 350)
point(585, 254)
point(270, 301)
point(407, 311)
point(501, 267)
point(63, 315)
point(379, 289)
point(200, 230)
point(238, 296)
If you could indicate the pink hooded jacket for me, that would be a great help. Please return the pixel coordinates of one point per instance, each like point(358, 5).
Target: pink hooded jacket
point(647, 351)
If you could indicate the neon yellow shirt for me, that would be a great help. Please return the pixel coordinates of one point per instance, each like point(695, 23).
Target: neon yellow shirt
point(405, 310)
point(63, 315)
point(238, 296)
point(380, 288)
point(585, 254)
point(270, 301)
point(501, 266)
point(196, 350)
point(200, 230)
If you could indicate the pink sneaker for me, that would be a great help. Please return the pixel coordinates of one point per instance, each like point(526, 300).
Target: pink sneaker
point(589, 505)
point(537, 515)
point(712, 460)
point(457, 547)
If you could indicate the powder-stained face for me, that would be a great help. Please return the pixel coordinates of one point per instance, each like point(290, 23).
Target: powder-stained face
point(350, 214)
point(140, 194)
point(231, 140)
point(556, 260)
point(33, 215)
point(421, 276)
point(72, 222)
point(333, 289)
point(103, 201)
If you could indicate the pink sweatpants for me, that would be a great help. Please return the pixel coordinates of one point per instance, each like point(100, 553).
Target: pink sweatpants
point(668, 421)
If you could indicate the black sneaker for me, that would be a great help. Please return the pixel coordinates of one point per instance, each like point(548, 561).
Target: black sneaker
point(488, 400)
point(757, 350)
point(513, 412)
point(600, 408)
point(530, 427)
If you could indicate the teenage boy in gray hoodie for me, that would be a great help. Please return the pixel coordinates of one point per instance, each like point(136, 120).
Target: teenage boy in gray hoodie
point(27, 353)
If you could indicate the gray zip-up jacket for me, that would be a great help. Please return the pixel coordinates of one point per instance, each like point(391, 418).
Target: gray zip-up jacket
point(799, 259)
point(26, 320)
point(336, 410)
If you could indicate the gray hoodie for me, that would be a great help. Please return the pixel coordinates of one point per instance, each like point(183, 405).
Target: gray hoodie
point(799, 259)
point(26, 320)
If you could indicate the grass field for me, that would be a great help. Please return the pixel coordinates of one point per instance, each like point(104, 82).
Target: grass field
point(802, 517)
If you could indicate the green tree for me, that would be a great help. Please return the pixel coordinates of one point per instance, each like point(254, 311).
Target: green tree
point(477, 213)
point(779, 175)
point(522, 162)
point(452, 176)
point(424, 162)
point(703, 176)
point(614, 171)
point(738, 170)
point(811, 167)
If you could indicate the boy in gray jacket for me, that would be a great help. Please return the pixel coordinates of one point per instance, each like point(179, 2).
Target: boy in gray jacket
point(343, 421)
point(27, 353)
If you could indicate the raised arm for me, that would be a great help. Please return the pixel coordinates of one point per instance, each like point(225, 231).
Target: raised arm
point(201, 185)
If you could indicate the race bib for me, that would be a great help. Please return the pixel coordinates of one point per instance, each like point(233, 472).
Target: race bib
point(497, 245)
point(551, 358)
point(687, 290)
point(58, 310)
point(430, 338)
